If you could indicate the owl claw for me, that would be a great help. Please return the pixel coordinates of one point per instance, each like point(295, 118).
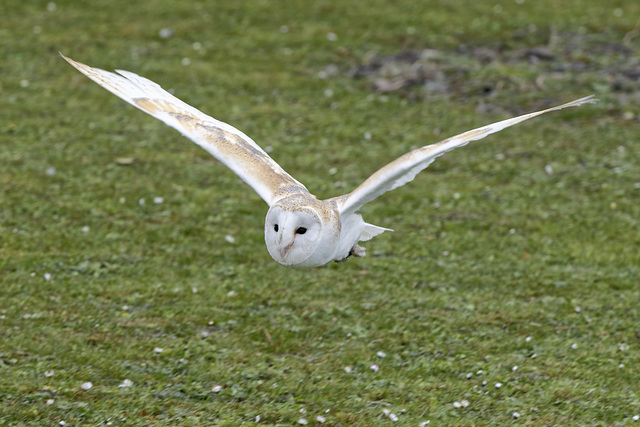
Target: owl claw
point(356, 250)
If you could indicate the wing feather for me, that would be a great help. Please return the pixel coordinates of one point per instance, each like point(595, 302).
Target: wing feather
point(406, 167)
point(227, 144)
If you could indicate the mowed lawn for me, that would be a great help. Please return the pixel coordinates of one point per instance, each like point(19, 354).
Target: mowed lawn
point(135, 286)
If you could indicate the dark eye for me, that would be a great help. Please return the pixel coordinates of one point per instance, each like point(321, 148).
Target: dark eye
point(301, 230)
point(275, 228)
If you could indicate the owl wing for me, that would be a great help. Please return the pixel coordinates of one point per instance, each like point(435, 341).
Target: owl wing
point(227, 144)
point(405, 168)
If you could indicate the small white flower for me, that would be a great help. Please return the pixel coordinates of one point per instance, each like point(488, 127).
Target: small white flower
point(141, 202)
point(622, 348)
point(165, 33)
point(348, 369)
point(229, 238)
point(332, 37)
point(635, 417)
point(302, 411)
point(216, 388)
point(374, 368)
point(425, 423)
point(257, 418)
point(515, 368)
point(158, 200)
point(51, 6)
point(85, 229)
point(577, 309)
point(480, 372)
point(548, 169)
point(469, 375)
point(393, 417)
point(62, 423)
point(457, 404)
point(320, 419)
point(464, 403)
point(126, 383)
point(621, 365)
point(47, 276)
point(158, 350)
point(533, 356)
point(303, 421)
point(196, 46)
point(86, 386)
point(574, 346)
point(231, 293)
point(498, 385)
point(50, 171)
point(386, 412)
point(49, 373)
point(381, 354)
point(367, 136)
point(516, 415)
point(527, 339)
point(50, 401)
point(284, 29)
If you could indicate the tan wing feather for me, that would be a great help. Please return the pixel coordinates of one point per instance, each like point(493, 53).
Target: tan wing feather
point(227, 144)
point(405, 168)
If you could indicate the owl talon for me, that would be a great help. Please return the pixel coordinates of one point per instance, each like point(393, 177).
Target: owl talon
point(358, 251)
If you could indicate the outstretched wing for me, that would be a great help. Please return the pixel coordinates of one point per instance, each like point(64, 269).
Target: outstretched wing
point(406, 167)
point(227, 144)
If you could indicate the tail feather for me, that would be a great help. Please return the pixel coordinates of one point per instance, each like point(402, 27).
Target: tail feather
point(370, 231)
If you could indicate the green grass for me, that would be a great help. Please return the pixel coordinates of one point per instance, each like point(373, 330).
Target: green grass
point(495, 264)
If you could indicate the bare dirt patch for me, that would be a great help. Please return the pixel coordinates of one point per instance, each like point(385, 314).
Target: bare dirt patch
point(567, 63)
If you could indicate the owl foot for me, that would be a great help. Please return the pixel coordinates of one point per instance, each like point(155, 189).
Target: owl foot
point(356, 250)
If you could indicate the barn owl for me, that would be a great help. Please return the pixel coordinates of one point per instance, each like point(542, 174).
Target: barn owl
point(300, 230)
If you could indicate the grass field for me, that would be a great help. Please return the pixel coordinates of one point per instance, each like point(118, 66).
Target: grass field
point(135, 286)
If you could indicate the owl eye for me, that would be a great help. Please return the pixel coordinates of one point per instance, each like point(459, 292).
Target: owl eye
point(301, 230)
point(275, 228)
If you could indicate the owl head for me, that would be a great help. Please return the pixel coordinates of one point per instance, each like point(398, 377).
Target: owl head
point(292, 235)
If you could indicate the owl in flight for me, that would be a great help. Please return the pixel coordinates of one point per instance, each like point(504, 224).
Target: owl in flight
point(300, 230)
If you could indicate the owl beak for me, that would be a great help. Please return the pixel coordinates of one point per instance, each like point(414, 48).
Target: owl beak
point(285, 250)
point(285, 247)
